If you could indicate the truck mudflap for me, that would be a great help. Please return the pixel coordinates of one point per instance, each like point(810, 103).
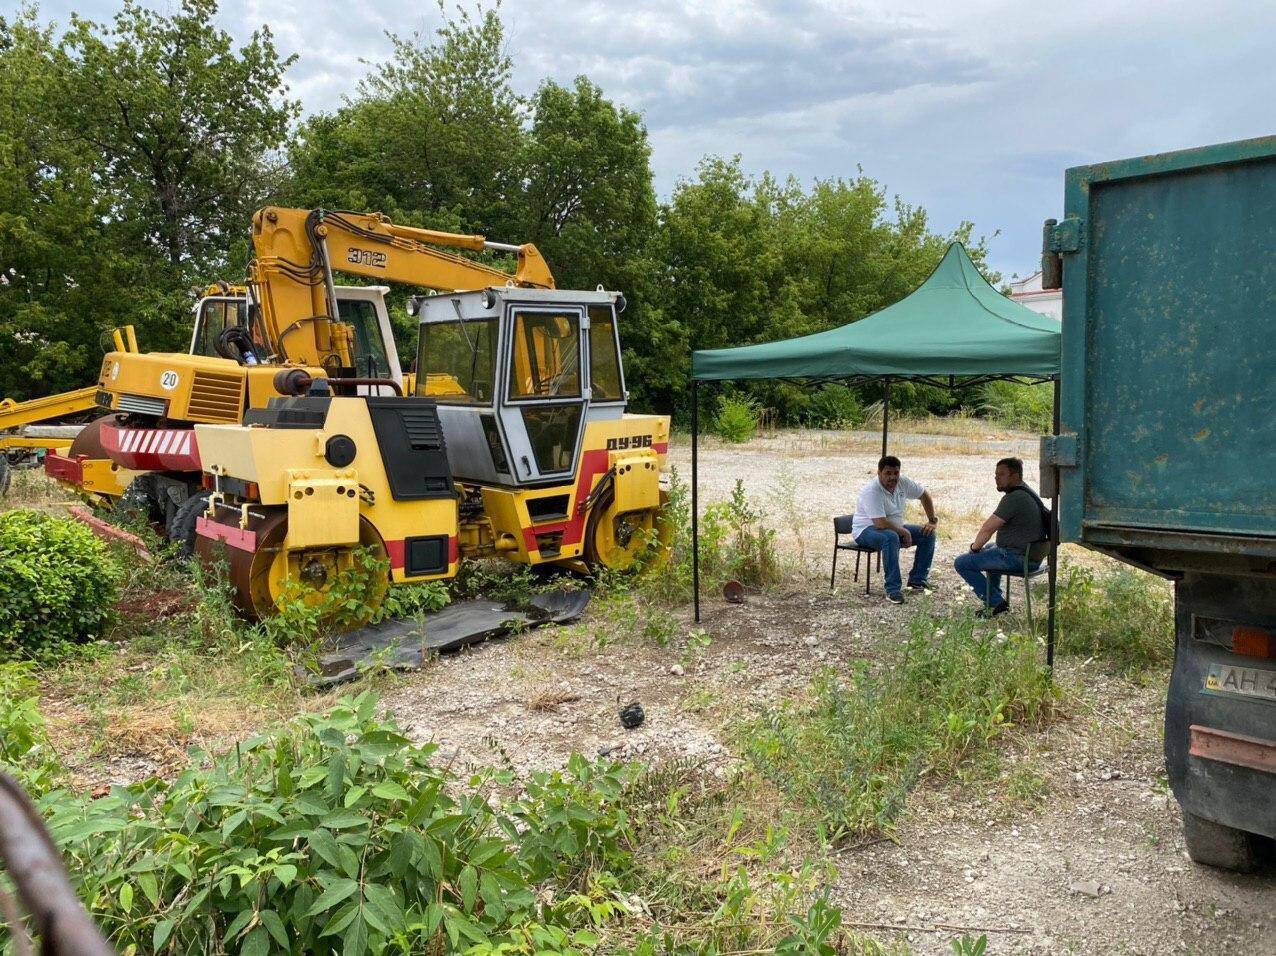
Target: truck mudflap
point(1220, 715)
point(152, 449)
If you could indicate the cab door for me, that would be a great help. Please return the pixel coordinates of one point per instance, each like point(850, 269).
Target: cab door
point(546, 391)
point(375, 355)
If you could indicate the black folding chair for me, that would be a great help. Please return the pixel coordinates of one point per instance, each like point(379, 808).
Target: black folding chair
point(842, 525)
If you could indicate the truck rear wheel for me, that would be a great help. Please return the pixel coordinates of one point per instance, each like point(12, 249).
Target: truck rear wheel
point(1215, 844)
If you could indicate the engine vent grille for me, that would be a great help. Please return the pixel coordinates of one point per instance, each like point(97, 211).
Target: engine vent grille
point(215, 398)
point(422, 426)
point(141, 405)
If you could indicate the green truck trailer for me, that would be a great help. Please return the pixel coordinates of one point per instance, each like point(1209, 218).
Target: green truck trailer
point(1166, 452)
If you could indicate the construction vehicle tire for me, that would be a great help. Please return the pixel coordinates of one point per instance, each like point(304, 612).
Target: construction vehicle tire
point(269, 576)
point(181, 526)
point(615, 541)
point(139, 499)
point(6, 474)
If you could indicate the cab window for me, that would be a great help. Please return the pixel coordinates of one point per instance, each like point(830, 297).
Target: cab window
point(604, 359)
point(215, 317)
point(457, 361)
point(370, 360)
point(546, 355)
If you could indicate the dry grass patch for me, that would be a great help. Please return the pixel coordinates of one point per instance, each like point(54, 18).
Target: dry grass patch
point(550, 699)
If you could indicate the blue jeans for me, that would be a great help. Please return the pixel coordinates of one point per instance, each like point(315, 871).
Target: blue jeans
point(887, 541)
point(972, 565)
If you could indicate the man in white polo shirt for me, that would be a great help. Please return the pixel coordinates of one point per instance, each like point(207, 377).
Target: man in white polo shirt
point(879, 524)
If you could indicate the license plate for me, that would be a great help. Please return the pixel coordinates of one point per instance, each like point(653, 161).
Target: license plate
point(1234, 681)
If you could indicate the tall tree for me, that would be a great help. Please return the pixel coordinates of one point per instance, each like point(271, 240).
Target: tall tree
point(63, 275)
point(753, 260)
point(130, 159)
point(431, 135)
point(589, 205)
point(185, 123)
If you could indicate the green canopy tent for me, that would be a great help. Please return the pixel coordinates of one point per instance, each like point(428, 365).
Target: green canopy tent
point(953, 330)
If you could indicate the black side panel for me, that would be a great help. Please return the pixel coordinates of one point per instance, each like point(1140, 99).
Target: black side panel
point(412, 449)
point(425, 555)
point(304, 412)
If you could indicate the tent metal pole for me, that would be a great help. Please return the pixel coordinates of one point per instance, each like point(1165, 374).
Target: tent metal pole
point(1054, 544)
point(695, 496)
point(886, 413)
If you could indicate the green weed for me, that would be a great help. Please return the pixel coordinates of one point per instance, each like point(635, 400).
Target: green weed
point(854, 751)
point(24, 744)
point(835, 406)
point(334, 833)
point(1027, 785)
point(1122, 616)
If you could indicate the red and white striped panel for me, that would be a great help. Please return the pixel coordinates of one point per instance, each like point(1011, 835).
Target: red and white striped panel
point(152, 449)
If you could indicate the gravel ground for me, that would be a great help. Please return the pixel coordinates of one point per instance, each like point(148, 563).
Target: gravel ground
point(1098, 866)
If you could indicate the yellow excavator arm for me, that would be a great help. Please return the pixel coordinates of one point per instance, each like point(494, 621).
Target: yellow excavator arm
point(299, 250)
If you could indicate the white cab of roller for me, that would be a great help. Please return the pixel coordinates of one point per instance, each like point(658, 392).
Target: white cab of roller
point(517, 374)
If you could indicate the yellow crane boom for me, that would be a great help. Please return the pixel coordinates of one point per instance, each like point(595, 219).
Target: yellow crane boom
point(299, 250)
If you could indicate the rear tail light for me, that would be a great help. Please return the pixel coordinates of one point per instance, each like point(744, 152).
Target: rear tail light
point(1253, 641)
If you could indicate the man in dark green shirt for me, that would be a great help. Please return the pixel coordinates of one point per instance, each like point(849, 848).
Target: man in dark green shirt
point(1020, 524)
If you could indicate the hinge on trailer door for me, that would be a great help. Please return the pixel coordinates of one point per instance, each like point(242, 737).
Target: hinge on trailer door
point(1056, 239)
point(1066, 235)
point(1059, 450)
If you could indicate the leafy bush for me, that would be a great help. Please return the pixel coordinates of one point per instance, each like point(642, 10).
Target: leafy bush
point(338, 835)
point(1124, 616)
point(737, 419)
point(58, 583)
point(854, 751)
point(835, 406)
point(1026, 407)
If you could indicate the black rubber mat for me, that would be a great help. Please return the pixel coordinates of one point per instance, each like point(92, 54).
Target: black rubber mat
point(404, 644)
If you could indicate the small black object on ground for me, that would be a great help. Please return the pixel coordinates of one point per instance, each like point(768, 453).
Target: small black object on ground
point(632, 715)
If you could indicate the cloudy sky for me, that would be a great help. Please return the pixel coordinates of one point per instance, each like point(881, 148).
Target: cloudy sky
point(970, 108)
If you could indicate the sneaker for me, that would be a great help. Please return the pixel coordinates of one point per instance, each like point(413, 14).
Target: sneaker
point(919, 589)
point(1001, 608)
point(895, 598)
